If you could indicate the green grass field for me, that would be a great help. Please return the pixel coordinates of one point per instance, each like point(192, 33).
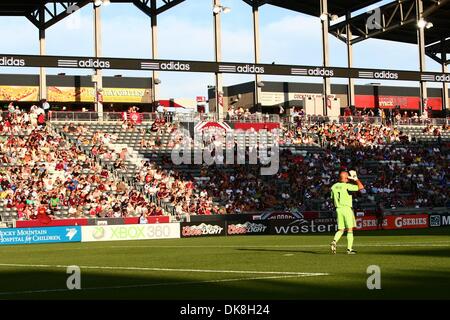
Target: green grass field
point(414, 264)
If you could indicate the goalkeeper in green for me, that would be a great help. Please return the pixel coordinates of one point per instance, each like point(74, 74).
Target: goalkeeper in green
point(343, 203)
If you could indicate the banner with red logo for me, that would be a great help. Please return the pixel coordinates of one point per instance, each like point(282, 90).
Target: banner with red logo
point(248, 228)
point(203, 229)
point(200, 99)
point(389, 102)
point(408, 221)
point(135, 117)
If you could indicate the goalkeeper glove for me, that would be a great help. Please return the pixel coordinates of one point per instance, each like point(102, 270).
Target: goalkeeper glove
point(353, 175)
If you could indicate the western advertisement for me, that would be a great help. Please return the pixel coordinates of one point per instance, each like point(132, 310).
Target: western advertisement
point(303, 226)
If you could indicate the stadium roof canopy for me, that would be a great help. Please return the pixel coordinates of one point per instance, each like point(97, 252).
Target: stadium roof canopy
point(312, 7)
point(56, 10)
point(399, 23)
point(398, 15)
point(398, 18)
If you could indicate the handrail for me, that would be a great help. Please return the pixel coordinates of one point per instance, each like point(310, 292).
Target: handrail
point(315, 119)
point(69, 116)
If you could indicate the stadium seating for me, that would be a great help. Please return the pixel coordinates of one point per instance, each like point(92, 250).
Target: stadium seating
point(310, 161)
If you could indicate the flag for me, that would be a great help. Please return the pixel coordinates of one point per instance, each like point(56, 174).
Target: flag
point(135, 117)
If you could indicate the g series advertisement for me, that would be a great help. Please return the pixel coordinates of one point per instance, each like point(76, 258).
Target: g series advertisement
point(404, 221)
point(327, 225)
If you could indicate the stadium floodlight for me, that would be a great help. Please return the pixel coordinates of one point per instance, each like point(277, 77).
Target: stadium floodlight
point(324, 16)
point(219, 9)
point(98, 3)
point(424, 24)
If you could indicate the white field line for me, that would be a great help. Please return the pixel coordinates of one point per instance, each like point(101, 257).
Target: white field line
point(161, 284)
point(16, 265)
point(361, 245)
point(358, 244)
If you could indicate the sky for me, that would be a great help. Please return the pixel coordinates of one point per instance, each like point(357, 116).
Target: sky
point(186, 33)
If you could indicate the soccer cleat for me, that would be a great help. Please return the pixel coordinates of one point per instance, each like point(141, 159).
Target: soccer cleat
point(333, 247)
point(351, 251)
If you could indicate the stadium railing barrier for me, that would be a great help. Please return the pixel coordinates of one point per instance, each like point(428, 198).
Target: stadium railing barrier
point(255, 118)
point(68, 116)
point(314, 119)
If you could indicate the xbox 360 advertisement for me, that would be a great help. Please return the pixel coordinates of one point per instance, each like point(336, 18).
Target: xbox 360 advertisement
point(131, 232)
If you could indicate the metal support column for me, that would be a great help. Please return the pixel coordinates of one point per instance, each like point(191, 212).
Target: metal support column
point(351, 81)
point(42, 71)
point(256, 43)
point(421, 42)
point(98, 53)
point(218, 58)
point(155, 74)
point(325, 48)
point(445, 96)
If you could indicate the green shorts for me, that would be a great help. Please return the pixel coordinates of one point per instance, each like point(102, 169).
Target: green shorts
point(345, 218)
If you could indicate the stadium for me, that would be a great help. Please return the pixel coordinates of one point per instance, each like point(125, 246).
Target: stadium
point(249, 190)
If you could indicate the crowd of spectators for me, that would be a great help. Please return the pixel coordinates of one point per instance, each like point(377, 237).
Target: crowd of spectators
point(388, 115)
point(404, 174)
point(41, 169)
point(396, 176)
point(303, 180)
point(42, 173)
point(159, 186)
point(247, 115)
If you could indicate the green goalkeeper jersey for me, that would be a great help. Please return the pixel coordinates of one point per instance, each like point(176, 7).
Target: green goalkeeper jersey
point(340, 195)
